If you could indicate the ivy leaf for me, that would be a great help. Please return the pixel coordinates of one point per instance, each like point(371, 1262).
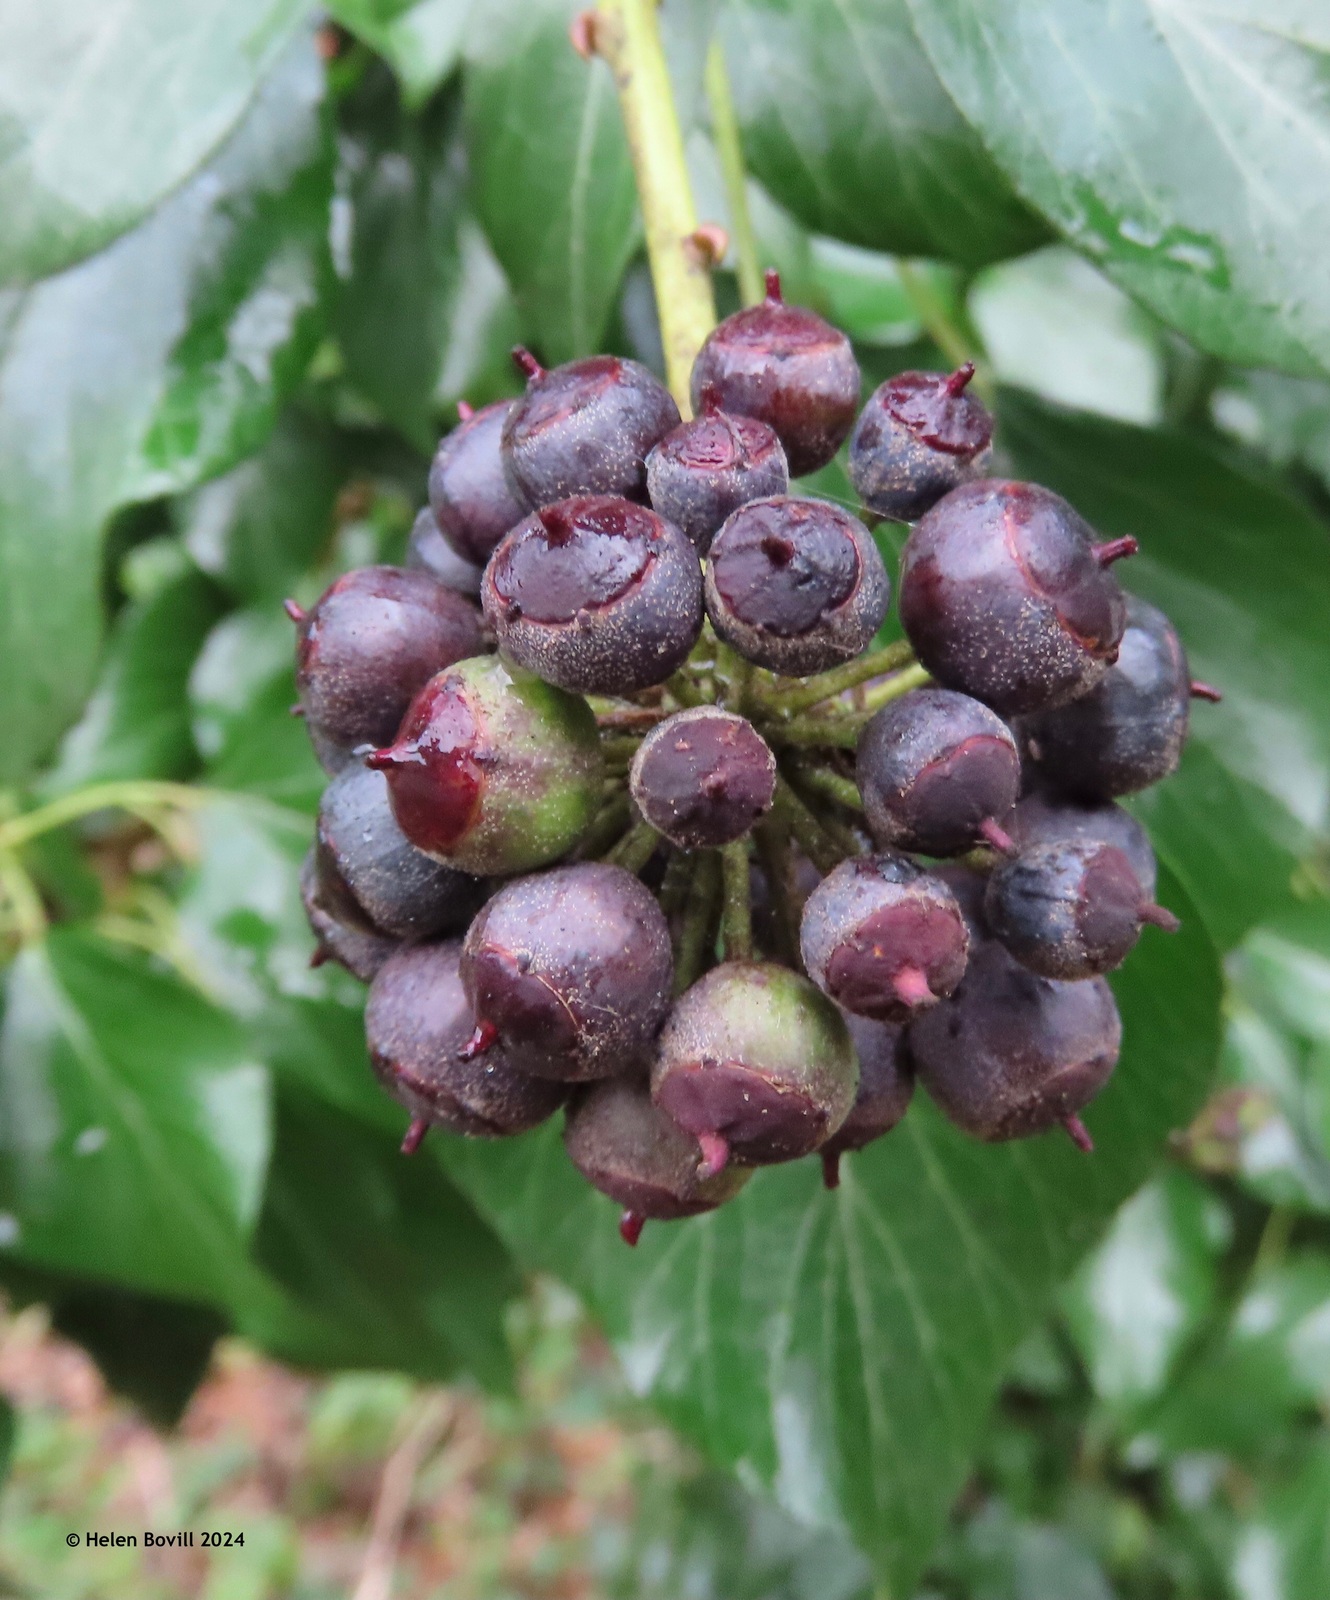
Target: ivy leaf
point(140, 371)
point(424, 315)
point(106, 110)
point(1184, 147)
point(1243, 570)
point(136, 725)
point(846, 124)
point(135, 1127)
point(420, 39)
point(551, 180)
point(841, 1349)
point(386, 1264)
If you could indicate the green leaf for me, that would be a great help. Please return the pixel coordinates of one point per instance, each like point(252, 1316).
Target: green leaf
point(1144, 1293)
point(134, 1139)
point(1243, 569)
point(136, 725)
point(551, 180)
point(1008, 1558)
point(420, 39)
point(424, 314)
point(846, 124)
point(153, 1351)
point(1271, 1364)
point(136, 373)
point(1052, 324)
point(257, 528)
point(386, 1263)
point(1184, 147)
point(106, 111)
point(1283, 1544)
point(842, 1348)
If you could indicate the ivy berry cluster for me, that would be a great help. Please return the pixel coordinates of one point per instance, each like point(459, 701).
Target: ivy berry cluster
point(629, 817)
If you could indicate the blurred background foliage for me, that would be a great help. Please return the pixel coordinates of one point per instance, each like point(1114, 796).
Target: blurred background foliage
point(244, 279)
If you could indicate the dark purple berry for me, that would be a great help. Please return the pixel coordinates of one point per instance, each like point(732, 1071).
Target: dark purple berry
point(703, 778)
point(796, 585)
point(934, 767)
point(1005, 596)
point(756, 1064)
point(625, 1146)
point(402, 891)
point(428, 549)
point(473, 502)
point(369, 644)
point(585, 428)
point(342, 930)
point(1042, 818)
point(1128, 731)
point(570, 971)
point(1012, 1054)
point(919, 436)
point(708, 468)
point(886, 1085)
point(788, 368)
point(883, 937)
point(494, 770)
point(595, 594)
point(417, 1023)
point(1070, 910)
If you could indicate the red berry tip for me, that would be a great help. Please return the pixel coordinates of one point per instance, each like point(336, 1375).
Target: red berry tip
point(631, 1224)
point(465, 411)
point(715, 1154)
point(319, 957)
point(772, 280)
point(831, 1169)
point(526, 363)
point(959, 380)
point(296, 710)
point(911, 986)
point(1114, 550)
point(1080, 1134)
point(582, 34)
point(1159, 917)
point(997, 836)
point(294, 611)
point(383, 760)
point(1205, 691)
point(414, 1134)
point(480, 1041)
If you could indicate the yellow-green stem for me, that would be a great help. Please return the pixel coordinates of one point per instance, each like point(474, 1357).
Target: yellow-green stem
point(729, 149)
point(698, 921)
point(25, 904)
point(628, 36)
point(830, 785)
point(138, 796)
point(736, 920)
point(958, 344)
point(814, 840)
point(636, 848)
point(826, 685)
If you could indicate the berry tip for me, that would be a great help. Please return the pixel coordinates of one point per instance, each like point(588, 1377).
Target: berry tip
point(1080, 1134)
point(631, 1224)
point(295, 611)
point(1115, 549)
point(1205, 691)
point(831, 1169)
point(414, 1134)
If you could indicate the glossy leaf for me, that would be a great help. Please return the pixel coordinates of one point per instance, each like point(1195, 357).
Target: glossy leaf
point(1184, 147)
point(135, 1130)
point(107, 110)
point(257, 528)
point(420, 39)
point(386, 1263)
point(1147, 1289)
point(1283, 1545)
point(139, 371)
point(551, 181)
point(1052, 324)
point(136, 723)
point(846, 124)
point(822, 1342)
point(424, 315)
point(1272, 1363)
point(1243, 570)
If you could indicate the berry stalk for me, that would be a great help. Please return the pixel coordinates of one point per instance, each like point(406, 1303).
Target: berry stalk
point(736, 920)
point(826, 685)
point(627, 35)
